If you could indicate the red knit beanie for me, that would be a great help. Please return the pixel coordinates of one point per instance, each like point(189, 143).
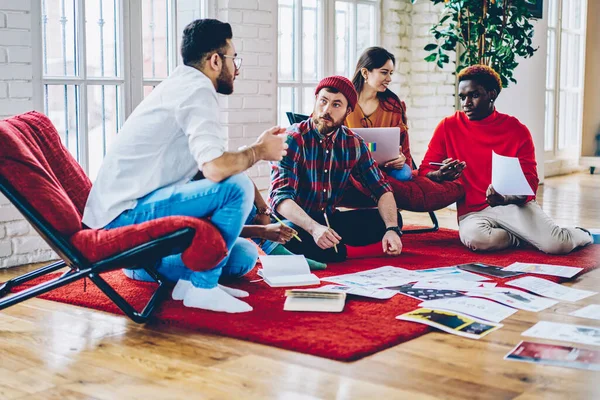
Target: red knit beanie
point(343, 85)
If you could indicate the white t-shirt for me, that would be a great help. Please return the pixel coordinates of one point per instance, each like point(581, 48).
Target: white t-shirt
point(165, 141)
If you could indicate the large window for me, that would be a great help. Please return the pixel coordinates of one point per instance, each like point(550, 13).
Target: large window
point(318, 38)
point(564, 79)
point(99, 59)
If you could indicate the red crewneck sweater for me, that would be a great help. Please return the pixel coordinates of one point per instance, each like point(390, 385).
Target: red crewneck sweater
point(473, 142)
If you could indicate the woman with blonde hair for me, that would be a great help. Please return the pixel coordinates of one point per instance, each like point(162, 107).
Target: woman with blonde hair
point(379, 107)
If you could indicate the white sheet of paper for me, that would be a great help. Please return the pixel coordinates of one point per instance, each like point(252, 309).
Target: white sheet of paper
point(508, 178)
point(515, 298)
point(545, 269)
point(452, 284)
point(592, 312)
point(376, 278)
point(569, 333)
point(553, 290)
point(380, 294)
point(284, 265)
point(478, 308)
point(449, 273)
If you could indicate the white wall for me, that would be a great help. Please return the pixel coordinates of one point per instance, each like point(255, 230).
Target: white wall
point(253, 106)
point(526, 99)
point(427, 90)
point(19, 244)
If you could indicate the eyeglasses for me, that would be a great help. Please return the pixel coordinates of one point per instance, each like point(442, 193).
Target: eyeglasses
point(237, 61)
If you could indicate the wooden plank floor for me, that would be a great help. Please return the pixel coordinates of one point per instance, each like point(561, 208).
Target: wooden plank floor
point(56, 351)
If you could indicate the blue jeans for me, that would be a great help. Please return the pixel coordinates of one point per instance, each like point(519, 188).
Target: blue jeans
point(227, 203)
point(404, 174)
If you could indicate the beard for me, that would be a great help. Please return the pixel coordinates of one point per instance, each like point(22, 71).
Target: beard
point(326, 125)
point(225, 81)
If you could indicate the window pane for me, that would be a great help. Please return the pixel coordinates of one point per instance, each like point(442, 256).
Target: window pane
point(61, 105)
point(286, 39)
point(552, 13)
point(102, 38)
point(104, 121)
point(148, 89)
point(286, 101)
point(311, 13)
point(156, 35)
point(564, 59)
point(308, 100)
point(562, 121)
point(575, 50)
point(342, 38)
point(549, 129)
point(574, 118)
point(59, 32)
point(551, 60)
point(365, 28)
point(187, 11)
point(576, 9)
point(566, 14)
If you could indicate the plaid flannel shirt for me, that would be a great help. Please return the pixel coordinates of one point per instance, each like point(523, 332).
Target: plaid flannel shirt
point(317, 169)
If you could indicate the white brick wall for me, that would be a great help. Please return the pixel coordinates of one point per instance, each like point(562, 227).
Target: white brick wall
point(19, 244)
point(253, 106)
point(426, 89)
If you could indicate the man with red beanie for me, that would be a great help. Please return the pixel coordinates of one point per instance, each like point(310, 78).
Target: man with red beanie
point(464, 142)
point(308, 183)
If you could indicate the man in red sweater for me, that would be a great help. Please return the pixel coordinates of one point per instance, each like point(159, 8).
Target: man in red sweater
point(464, 143)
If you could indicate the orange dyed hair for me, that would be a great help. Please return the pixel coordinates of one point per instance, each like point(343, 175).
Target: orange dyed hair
point(482, 74)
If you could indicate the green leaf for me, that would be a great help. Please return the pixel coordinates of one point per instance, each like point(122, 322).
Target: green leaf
point(431, 57)
point(431, 47)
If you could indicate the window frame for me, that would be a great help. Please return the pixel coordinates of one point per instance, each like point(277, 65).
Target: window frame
point(131, 79)
point(557, 88)
point(326, 47)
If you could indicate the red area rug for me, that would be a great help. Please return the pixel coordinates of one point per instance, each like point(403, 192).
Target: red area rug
point(363, 328)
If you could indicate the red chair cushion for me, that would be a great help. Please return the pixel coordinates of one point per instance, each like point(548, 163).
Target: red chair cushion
point(205, 251)
point(34, 161)
point(419, 194)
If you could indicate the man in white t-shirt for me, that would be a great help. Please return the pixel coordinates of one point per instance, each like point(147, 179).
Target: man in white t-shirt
point(174, 133)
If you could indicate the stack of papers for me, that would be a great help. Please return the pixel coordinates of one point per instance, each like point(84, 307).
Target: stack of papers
point(566, 332)
point(376, 278)
point(314, 300)
point(451, 322)
point(380, 294)
point(279, 271)
point(553, 290)
point(478, 308)
point(515, 298)
point(545, 269)
point(453, 284)
point(592, 312)
point(558, 356)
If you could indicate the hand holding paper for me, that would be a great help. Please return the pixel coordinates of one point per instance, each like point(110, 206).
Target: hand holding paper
point(508, 178)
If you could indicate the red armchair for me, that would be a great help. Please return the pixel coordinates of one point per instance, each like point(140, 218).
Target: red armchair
point(45, 183)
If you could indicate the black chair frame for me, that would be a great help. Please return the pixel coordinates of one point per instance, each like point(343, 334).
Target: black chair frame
point(297, 118)
point(144, 256)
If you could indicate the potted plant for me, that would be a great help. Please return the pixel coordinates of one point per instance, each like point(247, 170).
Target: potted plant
point(490, 32)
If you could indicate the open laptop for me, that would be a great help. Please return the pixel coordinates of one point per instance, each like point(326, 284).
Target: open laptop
point(383, 142)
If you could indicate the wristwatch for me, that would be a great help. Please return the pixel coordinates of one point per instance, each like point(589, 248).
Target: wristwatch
point(263, 211)
point(395, 229)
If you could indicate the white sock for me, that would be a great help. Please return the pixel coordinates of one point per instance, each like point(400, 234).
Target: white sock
point(180, 289)
point(234, 292)
point(215, 299)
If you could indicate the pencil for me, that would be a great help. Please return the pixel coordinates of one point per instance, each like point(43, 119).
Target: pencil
point(281, 222)
point(329, 226)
